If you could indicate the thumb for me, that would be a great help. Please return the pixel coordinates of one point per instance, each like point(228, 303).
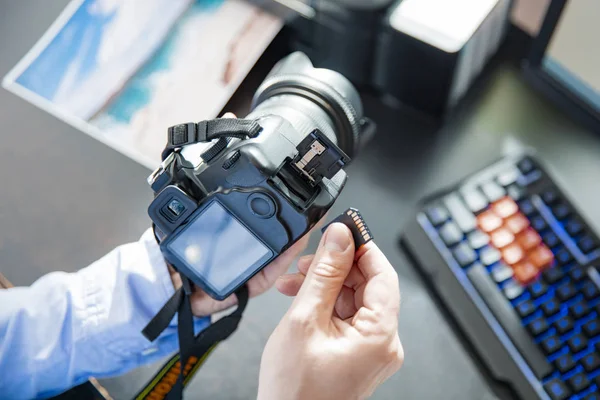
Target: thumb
point(327, 273)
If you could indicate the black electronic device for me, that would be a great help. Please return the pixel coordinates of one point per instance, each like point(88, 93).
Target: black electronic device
point(564, 60)
point(517, 268)
point(222, 214)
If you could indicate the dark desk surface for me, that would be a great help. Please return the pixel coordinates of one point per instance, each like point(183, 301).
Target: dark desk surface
point(67, 199)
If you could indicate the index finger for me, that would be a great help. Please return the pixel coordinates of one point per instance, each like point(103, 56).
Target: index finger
point(382, 290)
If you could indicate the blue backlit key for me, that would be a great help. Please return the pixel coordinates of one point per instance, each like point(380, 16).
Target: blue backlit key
point(526, 207)
point(549, 197)
point(563, 256)
point(577, 343)
point(573, 227)
point(537, 289)
point(537, 326)
point(550, 239)
point(557, 390)
point(566, 291)
point(587, 244)
point(590, 362)
point(525, 308)
point(564, 363)
point(538, 223)
point(592, 396)
point(551, 307)
point(561, 211)
point(579, 310)
point(577, 274)
point(591, 328)
point(551, 344)
point(579, 382)
point(553, 275)
point(563, 325)
point(590, 290)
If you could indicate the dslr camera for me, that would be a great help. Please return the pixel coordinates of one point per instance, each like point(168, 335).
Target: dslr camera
point(233, 194)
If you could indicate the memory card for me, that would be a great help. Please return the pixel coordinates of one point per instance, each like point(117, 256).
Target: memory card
point(357, 225)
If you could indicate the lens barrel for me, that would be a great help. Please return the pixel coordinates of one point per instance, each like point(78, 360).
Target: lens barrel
point(312, 98)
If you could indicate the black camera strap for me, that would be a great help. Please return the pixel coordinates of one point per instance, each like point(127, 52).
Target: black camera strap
point(171, 379)
point(206, 131)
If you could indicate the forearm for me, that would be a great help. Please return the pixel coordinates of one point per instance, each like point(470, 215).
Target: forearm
point(67, 327)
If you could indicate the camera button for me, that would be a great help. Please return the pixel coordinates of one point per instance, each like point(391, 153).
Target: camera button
point(261, 205)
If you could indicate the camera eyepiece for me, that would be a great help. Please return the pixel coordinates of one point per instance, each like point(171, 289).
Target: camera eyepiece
point(311, 97)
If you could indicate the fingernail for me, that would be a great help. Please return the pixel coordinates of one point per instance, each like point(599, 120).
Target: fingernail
point(337, 238)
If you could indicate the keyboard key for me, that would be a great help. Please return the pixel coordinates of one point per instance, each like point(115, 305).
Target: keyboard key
point(553, 275)
point(537, 326)
point(563, 256)
point(591, 328)
point(450, 234)
point(574, 226)
point(460, 213)
point(587, 244)
point(464, 254)
point(579, 309)
point(526, 272)
point(549, 196)
point(538, 289)
point(489, 256)
point(538, 223)
point(509, 176)
point(512, 254)
point(577, 274)
point(590, 290)
point(551, 344)
point(551, 307)
point(541, 257)
point(566, 291)
point(526, 207)
point(493, 191)
point(478, 239)
point(526, 165)
point(592, 396)
point(577, 343)
point(564, 363)
point(528, 239)
point(505, 207)
point(437, 215)
point(488, 221)
point(579, 382)
point(590, 362)
point(525, 308)
point(501, 238)
point(550, 239)
point(475, 200)
point(561, 211)
point(563, 325)
point(501, 272)
point(557, 390)
point(512, 290)
point(509, 320)
point(515, 192)
point(517, 223)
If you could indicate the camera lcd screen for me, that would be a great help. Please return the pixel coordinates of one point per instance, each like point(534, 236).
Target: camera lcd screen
point(218, 248)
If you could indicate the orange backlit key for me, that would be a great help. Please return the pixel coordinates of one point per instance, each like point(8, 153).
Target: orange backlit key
point(528, 239)
point(505, 207)
point(513, 254)
point(488, 221)
point(541, 257)
point(526, 272)
point(517, 223)
point(501, 238)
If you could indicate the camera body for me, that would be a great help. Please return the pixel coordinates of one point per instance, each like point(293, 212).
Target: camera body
point(250, 199)
point(234, 194)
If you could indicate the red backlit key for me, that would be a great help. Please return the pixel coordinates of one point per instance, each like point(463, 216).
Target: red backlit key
point(488, 221)
point(528, 239)
point(526, 272)
point(505, 207)
point(517, 223)
point(513, 254)
point(541, 257)
point(502, 237)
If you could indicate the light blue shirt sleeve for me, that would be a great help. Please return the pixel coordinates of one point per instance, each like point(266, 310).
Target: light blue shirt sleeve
point(66, 327)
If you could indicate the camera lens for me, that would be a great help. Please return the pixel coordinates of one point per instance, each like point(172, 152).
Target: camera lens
point(175, 207)
point(312, 98)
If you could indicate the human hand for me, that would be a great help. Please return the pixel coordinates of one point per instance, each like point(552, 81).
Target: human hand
point(339, 339)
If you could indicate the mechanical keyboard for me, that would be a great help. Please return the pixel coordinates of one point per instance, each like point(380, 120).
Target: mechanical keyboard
point(517, 268)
